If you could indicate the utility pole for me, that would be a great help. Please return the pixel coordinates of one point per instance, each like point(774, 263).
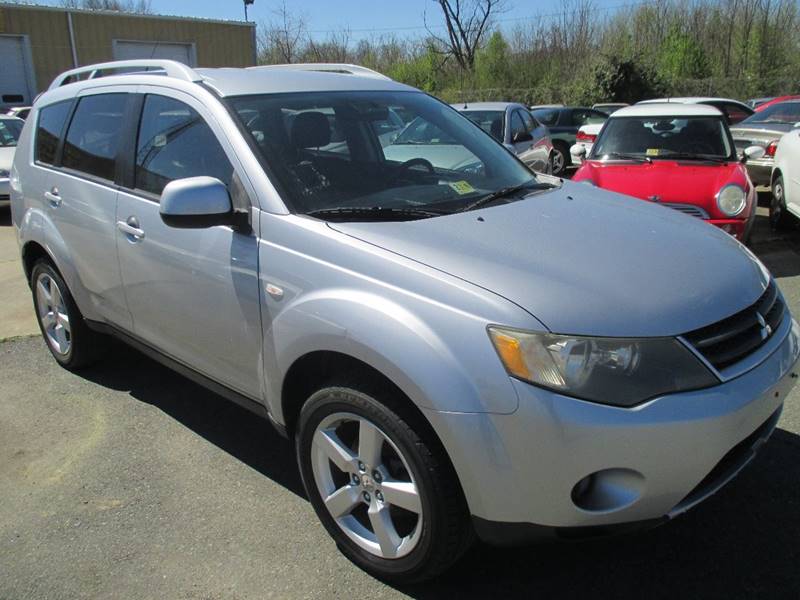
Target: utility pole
point(246, 4)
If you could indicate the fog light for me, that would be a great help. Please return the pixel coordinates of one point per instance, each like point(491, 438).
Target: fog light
point(608, 490)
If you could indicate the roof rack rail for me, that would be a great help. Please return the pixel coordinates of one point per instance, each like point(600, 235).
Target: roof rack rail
point(344, 68)
point(170, 68)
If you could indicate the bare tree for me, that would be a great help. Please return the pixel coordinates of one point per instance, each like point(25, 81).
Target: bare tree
point(467, 22)
point(129, 6)
point(281, 38)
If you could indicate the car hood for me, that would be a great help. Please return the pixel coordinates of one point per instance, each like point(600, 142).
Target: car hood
point(684, 182)
point(6, 157)
point(586, 261)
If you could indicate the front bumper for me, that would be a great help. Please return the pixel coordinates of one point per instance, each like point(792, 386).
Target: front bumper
point(735, 227)
point(760, 171)
point(654, 460)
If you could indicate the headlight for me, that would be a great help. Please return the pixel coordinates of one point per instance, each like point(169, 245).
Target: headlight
point(618, 371)
point(4, 174)
point(731, 200)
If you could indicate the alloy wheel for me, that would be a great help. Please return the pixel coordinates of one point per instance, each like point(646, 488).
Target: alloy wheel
point(53, 316)
point(558, 162)
point(366, 485)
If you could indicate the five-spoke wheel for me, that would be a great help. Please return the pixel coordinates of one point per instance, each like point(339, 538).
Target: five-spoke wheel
point(380, 481)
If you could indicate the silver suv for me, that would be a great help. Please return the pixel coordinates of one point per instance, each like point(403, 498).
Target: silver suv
point(456, 346)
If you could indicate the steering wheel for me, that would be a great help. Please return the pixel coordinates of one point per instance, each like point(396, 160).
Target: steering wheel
point(423, 162)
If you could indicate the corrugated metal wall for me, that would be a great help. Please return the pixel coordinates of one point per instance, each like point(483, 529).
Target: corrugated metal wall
point(217, 44)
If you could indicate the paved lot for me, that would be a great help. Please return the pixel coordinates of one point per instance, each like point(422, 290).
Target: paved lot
point(131, 482)
point(16, 315)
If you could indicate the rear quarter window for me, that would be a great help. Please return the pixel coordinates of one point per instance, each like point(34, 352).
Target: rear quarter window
point(49, 129)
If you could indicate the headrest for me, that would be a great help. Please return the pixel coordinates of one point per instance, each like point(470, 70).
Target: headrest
point(310, 130)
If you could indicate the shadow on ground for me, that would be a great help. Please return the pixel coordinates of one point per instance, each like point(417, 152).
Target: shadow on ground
point(240, 433)
point(5, 217)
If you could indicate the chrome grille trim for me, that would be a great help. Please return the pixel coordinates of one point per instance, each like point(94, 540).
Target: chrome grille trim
point(727, 342)
point(687, 209)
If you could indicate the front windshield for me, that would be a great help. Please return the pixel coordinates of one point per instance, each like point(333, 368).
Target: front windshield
point(398, 151)
point(9, 131)
point(491, 121)
point(664, 138)
point(782, 112)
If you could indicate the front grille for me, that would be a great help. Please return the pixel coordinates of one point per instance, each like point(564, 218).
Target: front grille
point(687, 209)
point(726, 342)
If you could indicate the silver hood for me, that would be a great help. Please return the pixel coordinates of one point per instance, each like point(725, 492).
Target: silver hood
point(586, 261)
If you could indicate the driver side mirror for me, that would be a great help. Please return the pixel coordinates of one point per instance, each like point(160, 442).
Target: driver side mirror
point(197, 203)
point(577, 150)
point(522, 136)
point(753, 153)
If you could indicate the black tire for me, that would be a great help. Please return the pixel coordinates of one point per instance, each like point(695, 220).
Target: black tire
point(446, 531)
point(779, 216)
point(561, 158)
point(85, 345)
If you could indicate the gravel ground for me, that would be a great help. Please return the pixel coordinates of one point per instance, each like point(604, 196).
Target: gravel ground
point(129, 481)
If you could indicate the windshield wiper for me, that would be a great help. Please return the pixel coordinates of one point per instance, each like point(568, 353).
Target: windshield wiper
point(698, 157)
point(634, 157)
point(505, 193)
point(373, 213)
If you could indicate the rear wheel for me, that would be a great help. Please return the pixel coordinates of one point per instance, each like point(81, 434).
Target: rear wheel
point(560, 159)
point(384, 491)
point(779, 216)
point(68, 338)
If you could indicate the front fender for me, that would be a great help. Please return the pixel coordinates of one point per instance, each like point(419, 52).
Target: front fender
point(444, 364)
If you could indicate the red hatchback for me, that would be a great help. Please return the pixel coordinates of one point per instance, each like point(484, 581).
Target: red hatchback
point(679, 155)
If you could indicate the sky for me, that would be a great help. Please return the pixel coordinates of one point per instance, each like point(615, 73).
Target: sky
point(365, 18)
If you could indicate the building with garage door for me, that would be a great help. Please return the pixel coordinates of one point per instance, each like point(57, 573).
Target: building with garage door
point(39, 42)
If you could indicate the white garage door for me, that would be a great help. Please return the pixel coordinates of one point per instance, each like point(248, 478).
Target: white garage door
point(127, 50)
point(16, 87)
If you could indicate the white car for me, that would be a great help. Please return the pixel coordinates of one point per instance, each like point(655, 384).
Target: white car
point(585, 138)
point(733, 110)
point(10, 128)
point(784, 210)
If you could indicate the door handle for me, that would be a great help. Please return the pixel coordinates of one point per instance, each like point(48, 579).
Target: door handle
point(130, 229)
point(53, 197)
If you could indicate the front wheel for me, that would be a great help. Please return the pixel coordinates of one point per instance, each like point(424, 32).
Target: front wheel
point(779, 217)
point(381, 487)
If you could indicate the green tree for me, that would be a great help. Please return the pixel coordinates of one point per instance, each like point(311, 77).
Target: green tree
point(613, 79)
point(493, 63)
point(682, 57)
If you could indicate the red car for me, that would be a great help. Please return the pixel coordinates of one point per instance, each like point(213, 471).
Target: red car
point(679, 155)
point(761, 107)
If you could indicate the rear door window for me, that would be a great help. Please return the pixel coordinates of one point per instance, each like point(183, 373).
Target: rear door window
point(49, 129)
point(175, 142)
point(94, 134)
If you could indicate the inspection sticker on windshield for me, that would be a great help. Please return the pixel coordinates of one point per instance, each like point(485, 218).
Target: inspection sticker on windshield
point(461, 187)
point(652, 152)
